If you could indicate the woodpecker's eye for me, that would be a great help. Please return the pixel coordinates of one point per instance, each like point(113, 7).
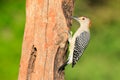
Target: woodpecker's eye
point(83, 18)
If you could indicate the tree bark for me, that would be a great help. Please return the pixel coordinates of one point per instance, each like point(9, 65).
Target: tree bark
point(45, 39)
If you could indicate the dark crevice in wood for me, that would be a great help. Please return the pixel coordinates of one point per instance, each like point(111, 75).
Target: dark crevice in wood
point(31, 62)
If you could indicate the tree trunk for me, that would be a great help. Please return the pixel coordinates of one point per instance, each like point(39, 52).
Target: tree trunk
point(45, 39)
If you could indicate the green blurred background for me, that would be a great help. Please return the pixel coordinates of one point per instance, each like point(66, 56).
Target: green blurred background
point(101, 60)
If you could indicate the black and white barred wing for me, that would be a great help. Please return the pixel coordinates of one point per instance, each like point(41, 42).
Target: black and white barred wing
point(81, 43)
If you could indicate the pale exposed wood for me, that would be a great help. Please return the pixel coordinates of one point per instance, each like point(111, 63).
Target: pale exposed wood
point(45, 39)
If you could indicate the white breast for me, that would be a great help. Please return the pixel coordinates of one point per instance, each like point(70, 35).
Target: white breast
point(72, 43)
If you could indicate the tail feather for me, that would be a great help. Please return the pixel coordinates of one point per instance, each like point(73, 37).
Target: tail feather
point(62, 67)
point(73, 64)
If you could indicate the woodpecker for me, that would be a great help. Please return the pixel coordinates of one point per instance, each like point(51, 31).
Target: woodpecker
point(78, 42)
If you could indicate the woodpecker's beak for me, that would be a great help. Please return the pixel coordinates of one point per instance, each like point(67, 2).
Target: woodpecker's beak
point(76, 18)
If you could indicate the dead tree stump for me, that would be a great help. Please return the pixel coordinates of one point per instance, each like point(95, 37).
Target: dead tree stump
point(45, 39)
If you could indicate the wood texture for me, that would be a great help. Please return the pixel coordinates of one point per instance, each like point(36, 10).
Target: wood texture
point(45, 39)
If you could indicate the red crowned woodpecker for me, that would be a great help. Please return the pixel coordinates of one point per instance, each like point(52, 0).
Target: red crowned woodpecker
point(78, 42)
